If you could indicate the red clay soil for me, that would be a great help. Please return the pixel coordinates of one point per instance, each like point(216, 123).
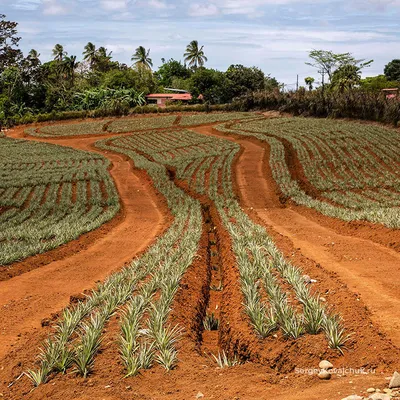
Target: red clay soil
point(35, 295)
point(370, 270)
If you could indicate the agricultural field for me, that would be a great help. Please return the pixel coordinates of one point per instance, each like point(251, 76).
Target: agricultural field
point(50, 195)
point(146, 336)
point(199, 119)
point(126, 124)
point(221, 300)
point(82, 128)
point(351, 171)
point(138, 124)
point(256, 255)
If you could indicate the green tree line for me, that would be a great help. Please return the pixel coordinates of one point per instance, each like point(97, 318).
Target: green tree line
point(97, 81)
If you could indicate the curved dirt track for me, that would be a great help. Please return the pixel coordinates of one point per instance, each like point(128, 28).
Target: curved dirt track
point(369, 269)
point(27, 299)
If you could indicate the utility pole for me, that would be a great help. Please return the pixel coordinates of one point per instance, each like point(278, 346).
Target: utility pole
point(322, 72)
point(297, 83)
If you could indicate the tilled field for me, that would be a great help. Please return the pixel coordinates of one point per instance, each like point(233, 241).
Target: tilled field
point(50, 195)
point(225, 302)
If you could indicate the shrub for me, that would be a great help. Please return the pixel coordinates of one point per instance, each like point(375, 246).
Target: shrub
point(357, 104)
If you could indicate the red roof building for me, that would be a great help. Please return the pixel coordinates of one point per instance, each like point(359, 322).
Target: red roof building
point(161, 98)
point(391, 93)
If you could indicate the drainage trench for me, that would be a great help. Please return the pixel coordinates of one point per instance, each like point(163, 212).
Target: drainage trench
point(210, 335)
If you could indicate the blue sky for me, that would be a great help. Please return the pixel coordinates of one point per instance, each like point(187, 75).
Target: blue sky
point(275, 35)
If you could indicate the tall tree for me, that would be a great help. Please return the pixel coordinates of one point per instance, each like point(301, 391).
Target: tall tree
point(103, 52)
point(392, 70)
point(103, 60)
point(33, 55)
point(346, 77)
point(69, 66)
point(194, 55)
point(327, 62)
point(141, 58)
point(12, 83)
point(31, 67)
point(89, 53)
point(245, 79)
point(271, 83)
point(377, 83)
point(58, 52)
point(9, 54)
point(170, 70)
point(213, 85)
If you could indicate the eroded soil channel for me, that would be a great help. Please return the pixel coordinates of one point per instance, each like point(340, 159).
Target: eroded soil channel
point(210, 336)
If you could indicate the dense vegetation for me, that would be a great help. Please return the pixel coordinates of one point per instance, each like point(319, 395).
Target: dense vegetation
point(29, 87)
point(356, 103)
point(343, 94)
point(51, 198)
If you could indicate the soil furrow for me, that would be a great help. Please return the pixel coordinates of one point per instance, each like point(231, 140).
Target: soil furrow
point(31, 297)
point(369, 269)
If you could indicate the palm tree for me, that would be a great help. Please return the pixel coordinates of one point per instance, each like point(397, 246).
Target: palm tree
point(195, 55)
point(69, 66)
point(58, 52)
point(33, 54)
point(141, 58)
point(33, 58)
point(90, 53)
point(102, 52)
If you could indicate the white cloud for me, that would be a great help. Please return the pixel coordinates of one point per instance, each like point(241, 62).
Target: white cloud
point(379, 5)
point(120, 48)
point(123, 15)
point(28, 5)
point(29, 28)
point(53, 7)
point(258, 8)
point(278, 43)
point(161, 5)
point(116, 5)
point(241, 7)
point(200, 10)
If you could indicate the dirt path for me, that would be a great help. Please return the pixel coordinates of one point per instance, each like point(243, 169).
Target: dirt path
point(27, 299)
point(369, 269)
